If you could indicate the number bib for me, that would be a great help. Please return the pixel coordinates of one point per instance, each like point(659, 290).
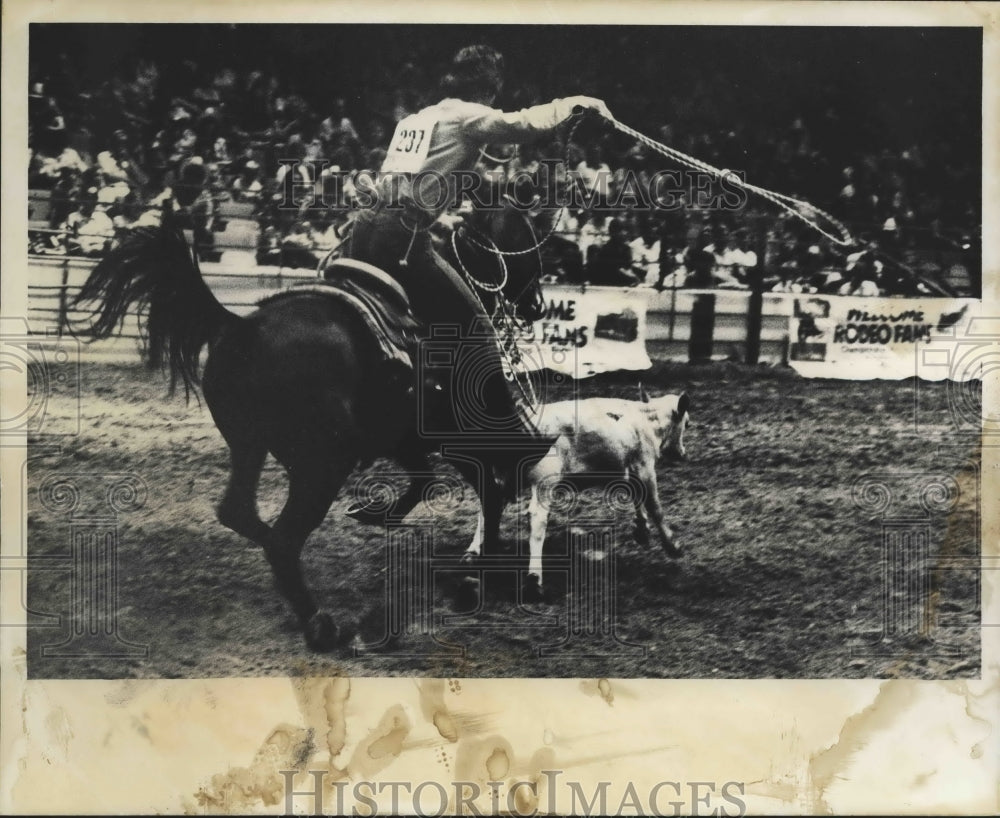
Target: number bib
point(410, 143)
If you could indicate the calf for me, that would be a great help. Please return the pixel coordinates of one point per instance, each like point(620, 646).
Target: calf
point(603, 440)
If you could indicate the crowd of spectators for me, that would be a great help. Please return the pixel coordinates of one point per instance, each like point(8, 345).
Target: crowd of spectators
point(201, 134)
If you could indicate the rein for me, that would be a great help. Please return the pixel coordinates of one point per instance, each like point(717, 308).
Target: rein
point(498, 159)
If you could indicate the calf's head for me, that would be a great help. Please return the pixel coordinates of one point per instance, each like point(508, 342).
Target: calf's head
point(669, 415)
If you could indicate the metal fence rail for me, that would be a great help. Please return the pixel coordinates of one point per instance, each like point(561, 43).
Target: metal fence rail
point(674, 330)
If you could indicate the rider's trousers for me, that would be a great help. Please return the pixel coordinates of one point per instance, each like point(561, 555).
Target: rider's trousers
point(459, 345)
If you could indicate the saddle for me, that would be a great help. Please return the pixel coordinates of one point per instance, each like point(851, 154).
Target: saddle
point(376, 298)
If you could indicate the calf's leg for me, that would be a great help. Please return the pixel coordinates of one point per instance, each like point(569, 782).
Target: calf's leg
point(652, 503)
point(475, 548)
point(538, 513)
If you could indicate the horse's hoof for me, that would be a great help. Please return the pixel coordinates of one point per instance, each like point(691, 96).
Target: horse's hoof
point(367, 513)
point(321, 632)
point(467, 595)
point(673, 550)
point(641, 536)
point(532, 590)
point(468, 558)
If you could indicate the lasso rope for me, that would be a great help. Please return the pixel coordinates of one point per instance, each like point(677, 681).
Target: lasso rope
point(482, 285)
point(804, 211)
point(505, 324)
point(537, 246)
point(504, 320)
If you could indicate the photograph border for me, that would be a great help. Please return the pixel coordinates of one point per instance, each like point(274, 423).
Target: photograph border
point(219, 745)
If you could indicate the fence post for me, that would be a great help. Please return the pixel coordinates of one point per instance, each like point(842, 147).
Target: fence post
point(755, 306)
point(673, 310)
point(702, 327)
point(63, 309)
point(755, 309)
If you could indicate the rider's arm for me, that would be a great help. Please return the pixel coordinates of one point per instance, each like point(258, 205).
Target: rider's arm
point(492, 125)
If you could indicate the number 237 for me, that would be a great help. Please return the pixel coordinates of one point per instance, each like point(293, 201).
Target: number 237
point(409, 140)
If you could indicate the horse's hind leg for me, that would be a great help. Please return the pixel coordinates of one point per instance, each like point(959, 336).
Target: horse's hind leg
point(311, 490)
point(487, 536)
point(411, 454)
point(493, 502)
point(238, 508)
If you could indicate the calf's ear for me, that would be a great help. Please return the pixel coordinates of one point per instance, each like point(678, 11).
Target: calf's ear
point(642, 393)
point(683, 405)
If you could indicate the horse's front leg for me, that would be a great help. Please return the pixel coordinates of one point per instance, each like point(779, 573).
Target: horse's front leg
point(475, 548)
point(487, 536)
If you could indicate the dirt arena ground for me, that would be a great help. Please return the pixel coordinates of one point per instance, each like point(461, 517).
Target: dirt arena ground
point(783, 574)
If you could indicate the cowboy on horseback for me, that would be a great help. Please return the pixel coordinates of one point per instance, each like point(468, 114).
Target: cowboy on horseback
point(417, 184)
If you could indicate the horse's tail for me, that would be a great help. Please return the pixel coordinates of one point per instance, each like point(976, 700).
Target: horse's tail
point(154, 269)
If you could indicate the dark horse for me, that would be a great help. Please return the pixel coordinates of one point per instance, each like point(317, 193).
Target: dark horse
point(302, 377)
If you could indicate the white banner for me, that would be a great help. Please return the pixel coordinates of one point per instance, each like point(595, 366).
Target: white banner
point(863, 338)
point(584, 332)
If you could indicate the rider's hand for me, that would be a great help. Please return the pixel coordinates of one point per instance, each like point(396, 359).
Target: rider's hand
point(581, 104)
point(451, 220)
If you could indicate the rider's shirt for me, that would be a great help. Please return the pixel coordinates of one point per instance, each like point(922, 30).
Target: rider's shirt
point(429, 147)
